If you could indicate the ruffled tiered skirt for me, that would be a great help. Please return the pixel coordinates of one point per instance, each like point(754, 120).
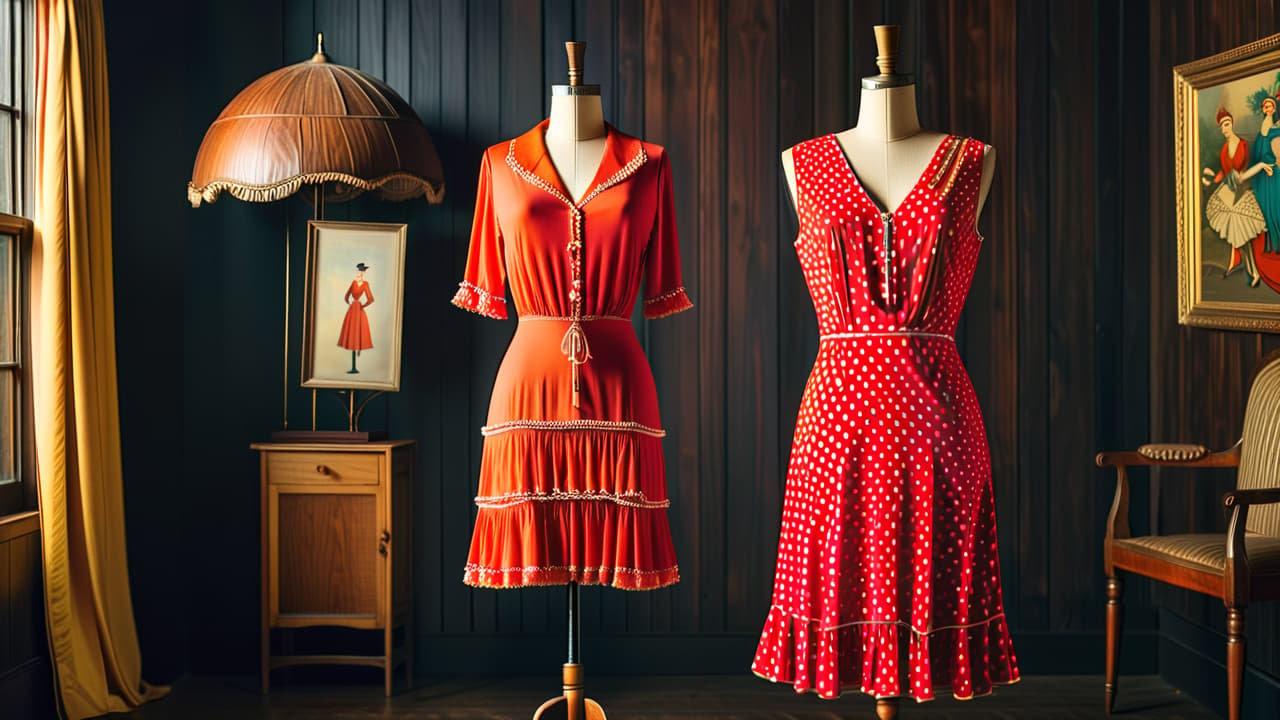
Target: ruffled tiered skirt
point(573, 494)
point(888, 578)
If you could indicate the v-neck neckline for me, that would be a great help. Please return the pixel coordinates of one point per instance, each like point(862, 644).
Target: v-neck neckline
point(560, 184)
point(848, 164)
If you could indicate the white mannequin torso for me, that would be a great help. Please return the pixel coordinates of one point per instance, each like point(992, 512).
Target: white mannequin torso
point(888, 150)
point(575, 140)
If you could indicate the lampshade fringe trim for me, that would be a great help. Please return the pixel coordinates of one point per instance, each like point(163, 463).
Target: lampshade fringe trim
point(434, 192)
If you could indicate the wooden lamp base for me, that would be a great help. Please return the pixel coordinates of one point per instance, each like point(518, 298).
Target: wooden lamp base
point(572, 705)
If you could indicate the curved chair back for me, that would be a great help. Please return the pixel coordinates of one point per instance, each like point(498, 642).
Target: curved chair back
point(1260, 446)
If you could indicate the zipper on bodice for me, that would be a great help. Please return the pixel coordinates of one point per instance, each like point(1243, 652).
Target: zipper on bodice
point(886, 270)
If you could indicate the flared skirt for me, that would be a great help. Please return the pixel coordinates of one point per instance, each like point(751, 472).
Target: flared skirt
point(573, 492)
point(887, 578)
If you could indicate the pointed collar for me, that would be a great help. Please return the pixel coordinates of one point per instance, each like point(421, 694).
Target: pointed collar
point(527, 155)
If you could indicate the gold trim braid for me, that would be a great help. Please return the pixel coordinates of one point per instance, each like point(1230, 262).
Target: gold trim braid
point(633, 500)
point(562, 318)
point(623, 578)
point(928, 631)
point(945, 162)
point(554, 425)
point(665, 296)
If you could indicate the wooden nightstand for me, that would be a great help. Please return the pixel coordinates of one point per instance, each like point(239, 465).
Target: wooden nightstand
point(337, 547)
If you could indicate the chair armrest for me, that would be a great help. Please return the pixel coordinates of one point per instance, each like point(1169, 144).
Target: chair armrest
point(1118, 518)
point(1259, 496)
point(1237, 577)
point(1237, 570)
point(1224, 459)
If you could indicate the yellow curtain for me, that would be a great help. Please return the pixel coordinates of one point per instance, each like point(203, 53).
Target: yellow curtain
point(94, 643)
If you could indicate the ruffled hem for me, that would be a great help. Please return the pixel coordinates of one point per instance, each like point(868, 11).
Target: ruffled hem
point(620, 578)
point(558, 541)
point(851, 690)
point(668, 303)
point(866, 657)
point(477, 300)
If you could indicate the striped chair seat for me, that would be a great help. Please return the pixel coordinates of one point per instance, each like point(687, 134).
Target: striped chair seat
point(1206, 551)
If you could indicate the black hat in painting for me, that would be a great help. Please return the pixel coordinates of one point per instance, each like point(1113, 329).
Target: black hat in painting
point(361, 267)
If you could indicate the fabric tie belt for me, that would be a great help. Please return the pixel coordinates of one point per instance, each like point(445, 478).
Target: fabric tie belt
point(574, 344)
point(889, 333)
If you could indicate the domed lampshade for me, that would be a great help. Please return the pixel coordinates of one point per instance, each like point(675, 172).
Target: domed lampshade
point(316, 123)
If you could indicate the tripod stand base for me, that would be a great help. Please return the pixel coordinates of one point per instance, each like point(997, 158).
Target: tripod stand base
point(572, 705)
point(558, 708)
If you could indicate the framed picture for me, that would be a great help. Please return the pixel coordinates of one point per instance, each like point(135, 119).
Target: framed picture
point(353, 301)
point(1227, 133)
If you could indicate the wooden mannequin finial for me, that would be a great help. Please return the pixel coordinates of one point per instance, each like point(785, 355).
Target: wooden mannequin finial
point(887, 61)
point(576, 50)
point(887, 48)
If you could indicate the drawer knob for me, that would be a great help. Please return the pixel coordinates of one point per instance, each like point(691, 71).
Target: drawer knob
point(322, 469)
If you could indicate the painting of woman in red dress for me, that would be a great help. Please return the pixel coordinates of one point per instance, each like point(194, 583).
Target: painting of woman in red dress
point(355, 335)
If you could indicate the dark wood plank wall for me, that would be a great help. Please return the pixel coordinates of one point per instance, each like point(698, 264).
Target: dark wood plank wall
point(21, 606)
point(1069, 334)
point(725, 86)
point(24, 665)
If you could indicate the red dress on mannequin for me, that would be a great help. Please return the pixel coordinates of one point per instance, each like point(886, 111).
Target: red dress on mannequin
point(887, 554)
point(355, 333)
point(572, 479)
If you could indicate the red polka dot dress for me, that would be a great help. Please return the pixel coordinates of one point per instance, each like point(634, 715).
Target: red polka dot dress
point(888, 579)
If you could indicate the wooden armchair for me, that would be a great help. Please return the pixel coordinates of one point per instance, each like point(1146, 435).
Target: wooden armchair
point(1241, 566)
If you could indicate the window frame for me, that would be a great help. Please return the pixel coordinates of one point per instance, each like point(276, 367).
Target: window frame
point(20, 496)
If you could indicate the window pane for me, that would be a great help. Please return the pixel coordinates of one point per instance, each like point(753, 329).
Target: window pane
point(6, 161)
point(8, 422)
point(11, 44)
point(8, 278)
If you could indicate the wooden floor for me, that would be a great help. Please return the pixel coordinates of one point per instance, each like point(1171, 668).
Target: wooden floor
point(710, 697)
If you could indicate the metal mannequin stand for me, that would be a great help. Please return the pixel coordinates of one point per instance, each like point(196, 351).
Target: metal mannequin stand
point(573, 703)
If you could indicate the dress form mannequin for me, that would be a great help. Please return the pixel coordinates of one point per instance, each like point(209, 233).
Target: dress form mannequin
point(576, 132)
point(575, 142)
point(887, 149)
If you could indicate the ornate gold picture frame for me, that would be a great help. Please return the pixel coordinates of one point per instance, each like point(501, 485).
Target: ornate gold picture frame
point(1227, 139)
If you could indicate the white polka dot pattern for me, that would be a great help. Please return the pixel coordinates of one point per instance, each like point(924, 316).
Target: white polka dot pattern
point(888, 579)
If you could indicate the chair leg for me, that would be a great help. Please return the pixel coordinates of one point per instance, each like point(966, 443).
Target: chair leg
point(1235, 662)
point(1115, 623)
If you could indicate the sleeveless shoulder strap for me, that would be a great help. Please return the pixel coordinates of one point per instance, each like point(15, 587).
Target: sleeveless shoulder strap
point(808, 159)
point(958, 177)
